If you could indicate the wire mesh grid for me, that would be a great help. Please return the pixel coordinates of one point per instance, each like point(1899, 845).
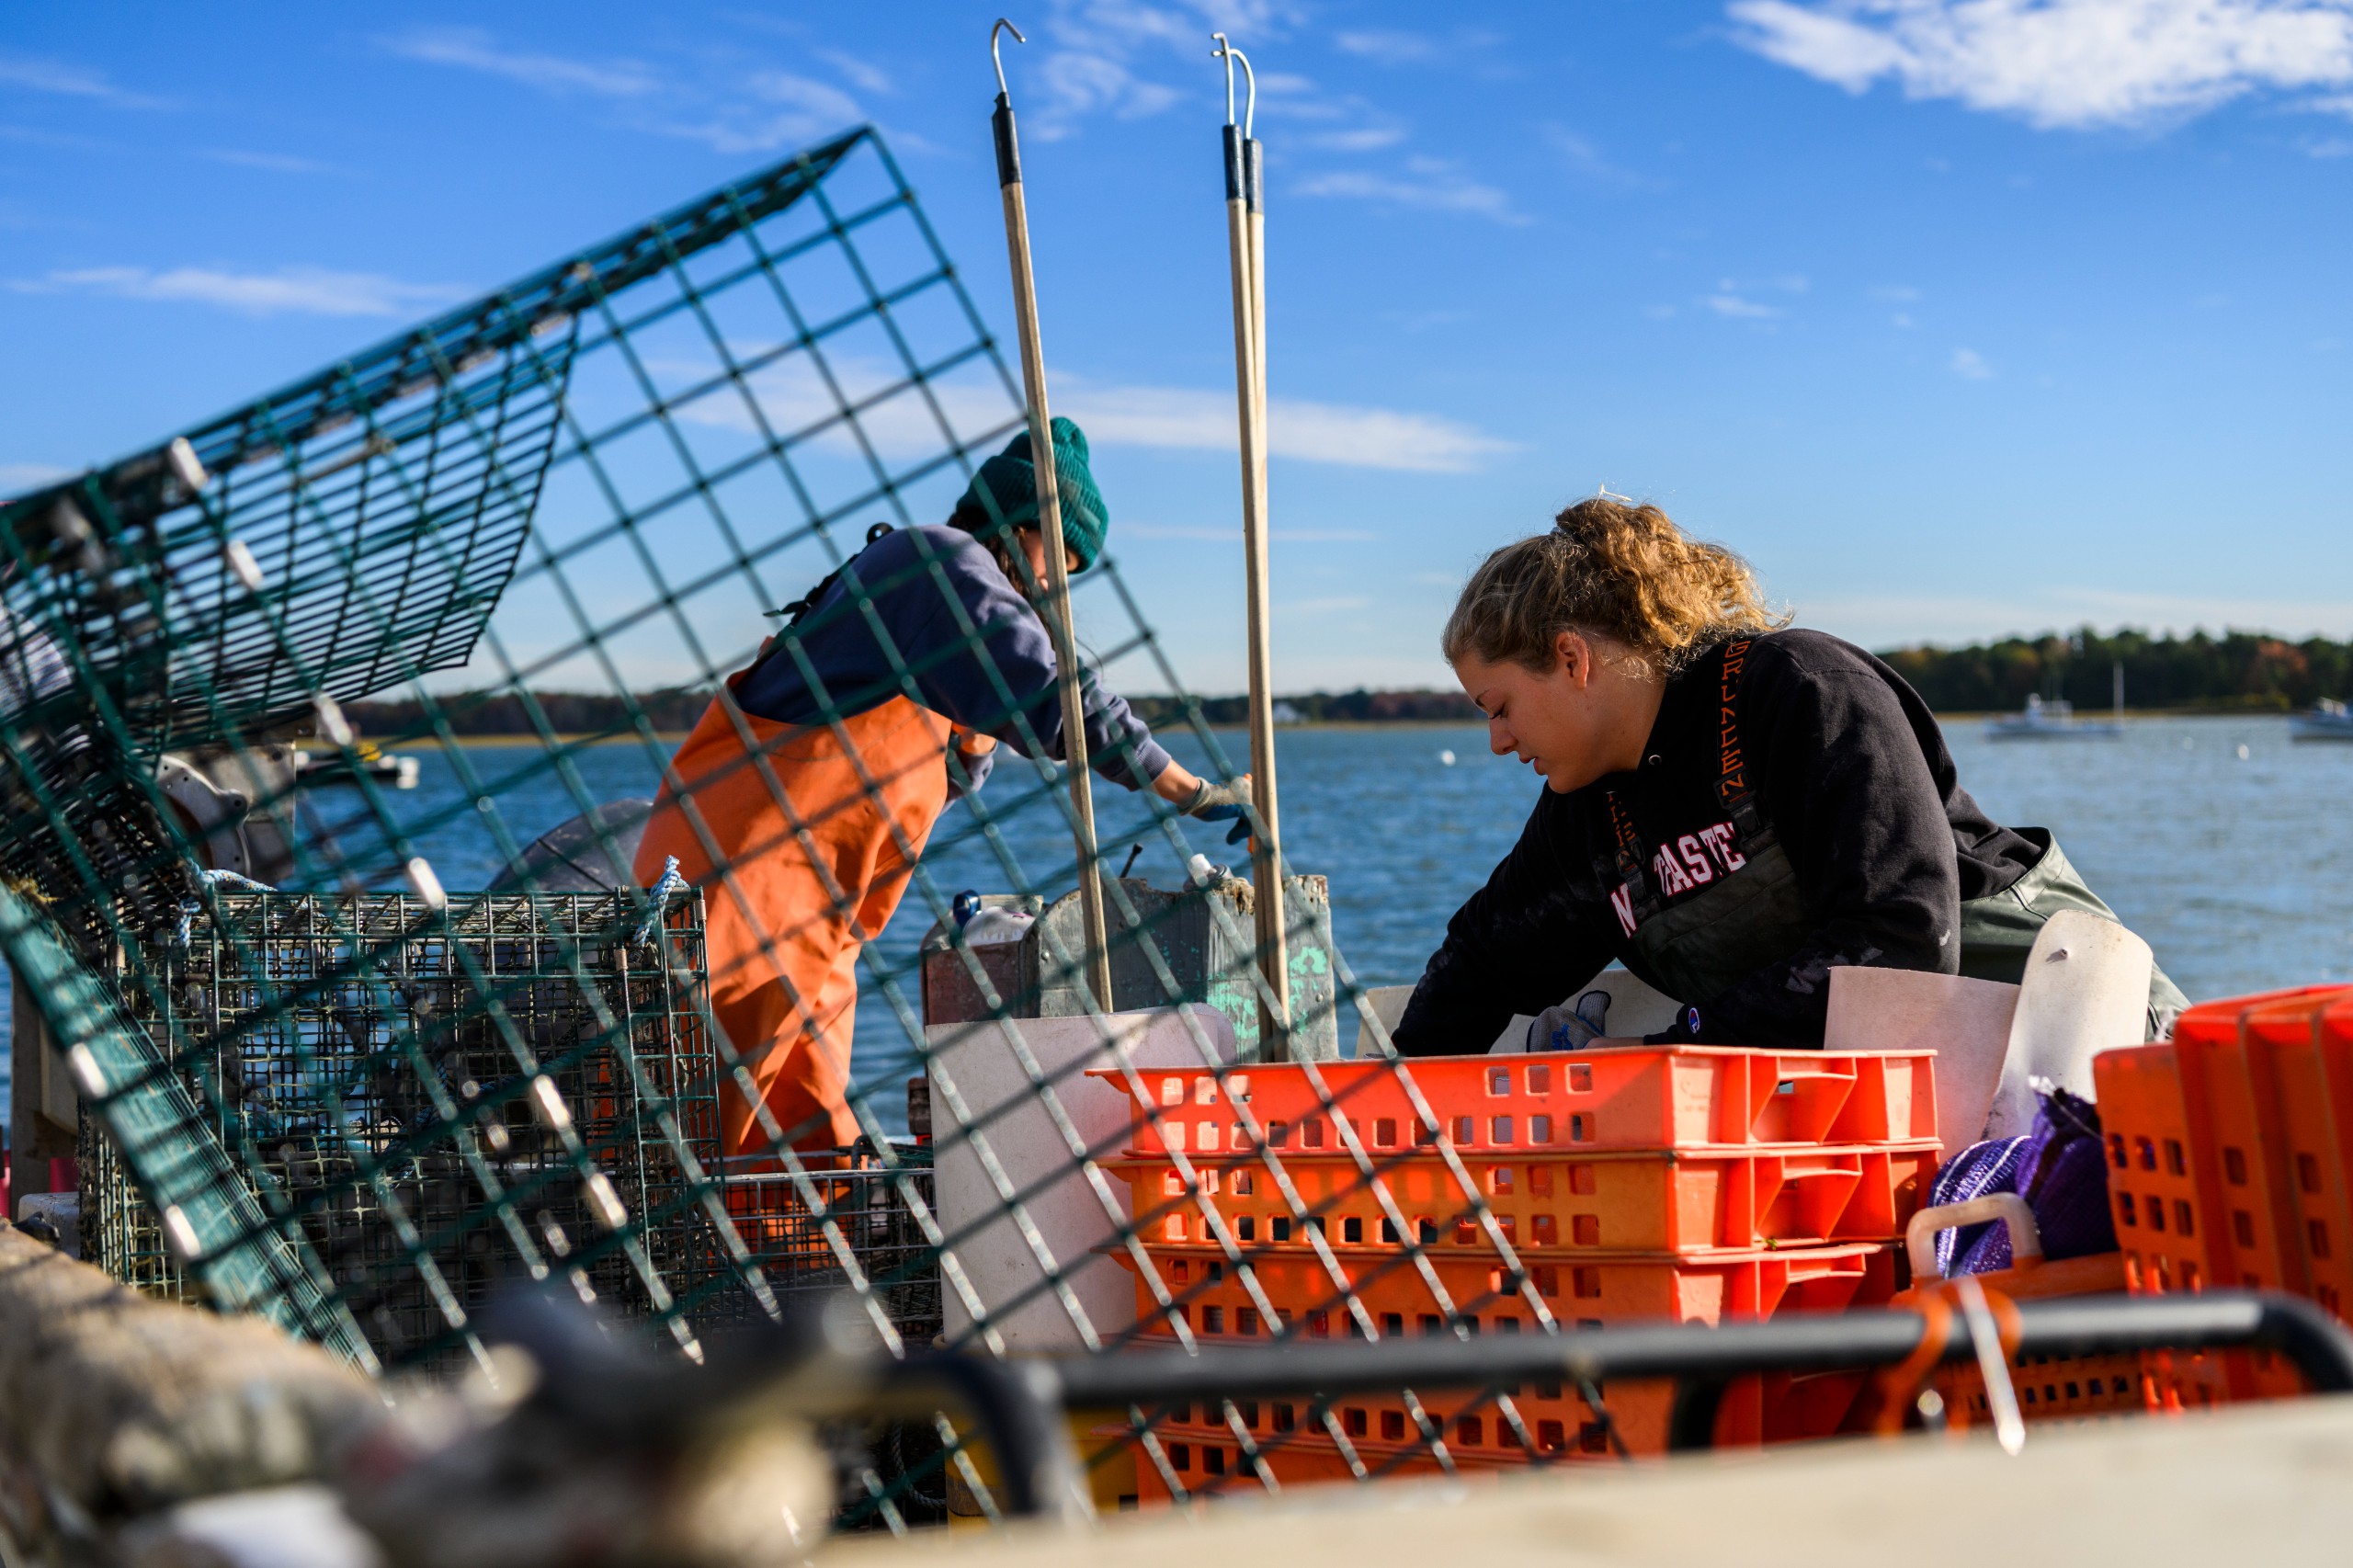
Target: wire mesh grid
point(438, 1103)
point(402, 1073)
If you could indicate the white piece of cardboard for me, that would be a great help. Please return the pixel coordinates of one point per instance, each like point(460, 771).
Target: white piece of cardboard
point(1388, 1004)
point(1966, 1022)
point(1635, 1009)
point(1058, 1198)
point(2085, 990)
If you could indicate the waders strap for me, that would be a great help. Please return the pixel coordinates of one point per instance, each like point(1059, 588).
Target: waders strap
point(1733, 792)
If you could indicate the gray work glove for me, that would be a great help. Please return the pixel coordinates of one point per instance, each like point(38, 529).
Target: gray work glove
point(1222, 802)
point(1570, 1028)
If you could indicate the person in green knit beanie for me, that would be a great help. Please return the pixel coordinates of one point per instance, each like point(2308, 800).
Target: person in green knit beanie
point(805, 795)
point(1004, 495)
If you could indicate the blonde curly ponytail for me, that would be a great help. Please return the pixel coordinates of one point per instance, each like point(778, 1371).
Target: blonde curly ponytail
point(1610, 567)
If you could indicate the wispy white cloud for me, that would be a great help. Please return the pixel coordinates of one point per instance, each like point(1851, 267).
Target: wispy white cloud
point(791, 397)
point(1133, 59)
point(2061, 62)
point(1584, 160)
point(300, 290)
point(1735, 299)
point(14, 477)
point(1234, 534)
point(726, 104)
point(1969, 366)
point(1079, 83)
point(1387, 46)
point(1396, 46)
point(1371, 139)
point(41, 136)
point(1340, 434)
point(1428, 185)
point(863, 75)
point(473, 49)
point(778, 110)
point(63, 80)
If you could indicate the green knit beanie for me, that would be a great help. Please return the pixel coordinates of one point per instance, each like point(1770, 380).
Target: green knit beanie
point(1003, 494)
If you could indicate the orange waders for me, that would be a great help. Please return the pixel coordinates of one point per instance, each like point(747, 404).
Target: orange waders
point(800, 883)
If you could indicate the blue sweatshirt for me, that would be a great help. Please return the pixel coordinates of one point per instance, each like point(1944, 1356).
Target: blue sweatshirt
point(916, 579)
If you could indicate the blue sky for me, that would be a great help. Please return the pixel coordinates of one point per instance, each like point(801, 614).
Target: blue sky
point(1956, 318)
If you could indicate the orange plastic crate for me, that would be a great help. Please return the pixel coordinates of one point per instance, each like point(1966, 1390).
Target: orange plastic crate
point(1575, 1288)
point(1298, 1447)
point(1206, 1455)
point(1636, 1098)
point(2225, 1167)
point(2162, 1213)
point(1664, 1201)
point(2238, 1135)
point(2049, 1388)
point(2309, 1147)
point(1381, 1428)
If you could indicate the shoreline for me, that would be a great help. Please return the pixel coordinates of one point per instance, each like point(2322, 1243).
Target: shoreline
point(673, 738)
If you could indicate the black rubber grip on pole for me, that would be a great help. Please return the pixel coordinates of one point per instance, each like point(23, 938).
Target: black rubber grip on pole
point(1009, 150)
point(1253, 174)
point(1233, 180)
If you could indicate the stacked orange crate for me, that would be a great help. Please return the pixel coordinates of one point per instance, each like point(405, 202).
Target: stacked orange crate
point(1687, 1184)
point(2227, 1168)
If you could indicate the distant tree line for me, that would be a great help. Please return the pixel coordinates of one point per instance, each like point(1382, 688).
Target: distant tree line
point(504, 713)
point(2238, 671)
point(676, 709)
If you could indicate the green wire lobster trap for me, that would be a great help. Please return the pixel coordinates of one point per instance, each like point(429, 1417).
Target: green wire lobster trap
point(435, 1104)
point(433, 1059)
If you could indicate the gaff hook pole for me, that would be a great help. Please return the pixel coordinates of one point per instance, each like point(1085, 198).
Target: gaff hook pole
point(1050, 525)
point(1247, 241)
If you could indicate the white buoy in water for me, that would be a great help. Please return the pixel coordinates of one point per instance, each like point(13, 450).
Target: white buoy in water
point(2242, 751)
point(1446, 759)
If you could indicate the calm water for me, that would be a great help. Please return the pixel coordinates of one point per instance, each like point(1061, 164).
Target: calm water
point(2233, 866)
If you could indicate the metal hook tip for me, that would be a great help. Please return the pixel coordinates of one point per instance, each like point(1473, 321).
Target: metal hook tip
point(1003, 24)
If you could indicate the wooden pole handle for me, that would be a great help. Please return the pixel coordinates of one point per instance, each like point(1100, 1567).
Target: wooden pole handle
point(1097, 960)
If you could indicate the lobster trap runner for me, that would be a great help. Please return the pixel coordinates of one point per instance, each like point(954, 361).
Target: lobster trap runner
point(433, 1105)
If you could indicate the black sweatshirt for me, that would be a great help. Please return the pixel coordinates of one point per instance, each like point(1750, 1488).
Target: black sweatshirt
point(1852, 773)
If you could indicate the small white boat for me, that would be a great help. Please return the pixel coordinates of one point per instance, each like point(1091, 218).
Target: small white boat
point(2054, 719)
point(2326, 719)
point(397, 769)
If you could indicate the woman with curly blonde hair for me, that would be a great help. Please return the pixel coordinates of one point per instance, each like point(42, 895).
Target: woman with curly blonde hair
point(1732, 806)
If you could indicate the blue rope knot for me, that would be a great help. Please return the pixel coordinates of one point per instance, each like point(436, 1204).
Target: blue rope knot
point(191, 908)
point(669, 887)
